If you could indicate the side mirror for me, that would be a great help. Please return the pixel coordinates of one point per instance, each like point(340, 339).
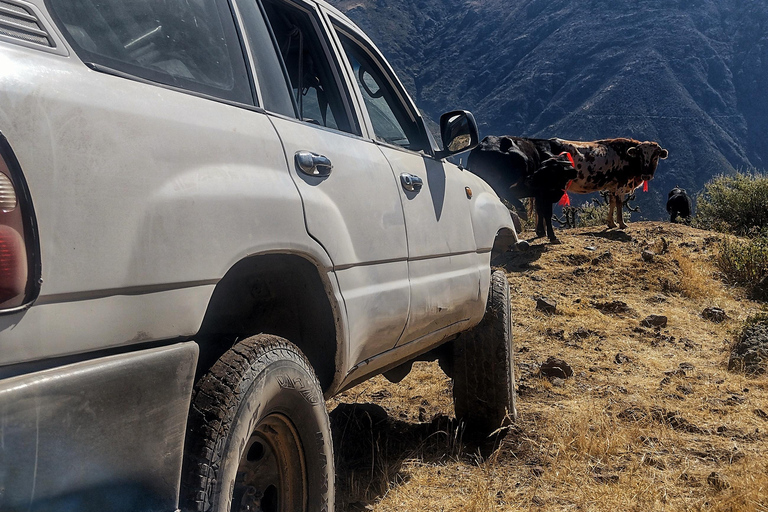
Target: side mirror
point(458, 129)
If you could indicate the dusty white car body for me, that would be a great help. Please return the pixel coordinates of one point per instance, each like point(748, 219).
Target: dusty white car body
point(146, 197)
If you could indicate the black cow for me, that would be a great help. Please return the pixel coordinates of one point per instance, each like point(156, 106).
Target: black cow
point(519, 167)
point(678, 204)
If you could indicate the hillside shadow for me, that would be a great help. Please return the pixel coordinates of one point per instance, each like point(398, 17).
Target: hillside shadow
point(520, 261)
point(617, 235)
point(371, 448)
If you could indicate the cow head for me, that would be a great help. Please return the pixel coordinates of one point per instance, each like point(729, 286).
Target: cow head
point(649, 154)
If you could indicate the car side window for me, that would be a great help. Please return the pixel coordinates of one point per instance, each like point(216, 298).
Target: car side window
point(190, 44)
point(391, 120)
point(311, 73)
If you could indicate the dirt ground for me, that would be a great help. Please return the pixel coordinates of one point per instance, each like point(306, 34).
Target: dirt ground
point(650, 420)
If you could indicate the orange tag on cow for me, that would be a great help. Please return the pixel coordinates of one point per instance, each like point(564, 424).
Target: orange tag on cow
point(645, 185)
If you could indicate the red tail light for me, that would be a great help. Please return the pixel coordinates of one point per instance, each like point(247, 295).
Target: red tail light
point(19, 248)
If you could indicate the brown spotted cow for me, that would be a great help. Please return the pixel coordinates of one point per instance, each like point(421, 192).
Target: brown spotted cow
point(616, 165)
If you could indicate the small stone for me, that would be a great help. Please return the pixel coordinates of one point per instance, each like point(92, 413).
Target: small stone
point(591, 248)
point(648, 255)
point(721, 429)
point(555, 333)
point(654, 321)
point(714, 314)
point(581, 333)
point(613, 307)
point(554, 367)
point(621, 358)
point(558, 382)
point(546, 306)
point(717, 481)
point(685, 389)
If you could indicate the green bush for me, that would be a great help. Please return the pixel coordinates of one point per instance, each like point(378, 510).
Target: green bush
point(736, 204)
point(745, 262)
point(591, 214)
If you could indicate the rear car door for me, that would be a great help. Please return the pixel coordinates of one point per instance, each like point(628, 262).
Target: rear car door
point(444, 267)
point(351, 197)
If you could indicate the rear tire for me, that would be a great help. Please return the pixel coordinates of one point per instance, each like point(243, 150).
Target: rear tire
point(483, 366)
point(258, 435)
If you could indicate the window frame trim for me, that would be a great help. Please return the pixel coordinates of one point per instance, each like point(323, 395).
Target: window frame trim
point(335, 60)
point(338, 24)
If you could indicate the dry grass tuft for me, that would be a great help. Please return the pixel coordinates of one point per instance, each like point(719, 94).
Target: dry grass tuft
point(651, 419)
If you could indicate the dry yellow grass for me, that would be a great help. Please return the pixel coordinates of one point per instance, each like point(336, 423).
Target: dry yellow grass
point(651, 420)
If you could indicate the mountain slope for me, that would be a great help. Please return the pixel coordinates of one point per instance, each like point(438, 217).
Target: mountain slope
point(689, 74)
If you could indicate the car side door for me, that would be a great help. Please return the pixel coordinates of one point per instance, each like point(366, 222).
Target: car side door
point(350, 196)
point(444, 267)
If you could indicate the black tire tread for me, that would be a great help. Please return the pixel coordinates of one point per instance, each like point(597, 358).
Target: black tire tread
point(215, 400)
point(483, 385)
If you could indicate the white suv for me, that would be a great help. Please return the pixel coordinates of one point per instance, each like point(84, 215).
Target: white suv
point(214, 214)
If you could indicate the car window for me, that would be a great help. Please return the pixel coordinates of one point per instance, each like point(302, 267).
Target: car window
point(390, 118)
point(191, 44)
point(310, 71)
point(275, 96)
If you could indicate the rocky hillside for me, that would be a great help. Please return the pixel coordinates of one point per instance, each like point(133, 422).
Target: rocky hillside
point(691, 74)
point(646, 415)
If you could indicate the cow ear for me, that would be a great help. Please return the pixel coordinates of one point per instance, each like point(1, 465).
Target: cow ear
point(663, 154)
point(632, 152)
point(505, 143)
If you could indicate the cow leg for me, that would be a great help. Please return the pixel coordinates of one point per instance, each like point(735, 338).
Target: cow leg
point(540, 207)
point(541, 229)
point(611, 204)
point(620, 212)
point(544, 212)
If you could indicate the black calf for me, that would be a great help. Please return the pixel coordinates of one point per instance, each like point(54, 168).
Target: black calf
point(678, 204)
point(517, 167)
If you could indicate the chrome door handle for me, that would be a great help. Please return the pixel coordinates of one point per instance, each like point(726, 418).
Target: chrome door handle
point(313, 164)
point(411, 182)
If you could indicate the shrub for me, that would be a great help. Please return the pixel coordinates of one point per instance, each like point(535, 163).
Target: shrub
point(745, 262)
point(592, 214)
point(734, 204)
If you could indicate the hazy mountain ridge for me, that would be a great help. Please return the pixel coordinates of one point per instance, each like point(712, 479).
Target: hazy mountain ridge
point(691, 75)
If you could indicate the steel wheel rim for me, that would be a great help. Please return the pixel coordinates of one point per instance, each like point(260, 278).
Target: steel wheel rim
point(271, 475)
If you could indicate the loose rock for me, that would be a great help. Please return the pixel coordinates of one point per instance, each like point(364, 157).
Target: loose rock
point(714, 314)
point(545, 305)
point(554, 367)
point(654, 321)
point(614, 307)
point(621, 358)
point(648, 255)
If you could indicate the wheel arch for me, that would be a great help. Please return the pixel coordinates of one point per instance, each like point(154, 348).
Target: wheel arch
point(285, 294)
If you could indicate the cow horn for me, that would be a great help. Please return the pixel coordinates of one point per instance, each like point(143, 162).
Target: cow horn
point(663, 154)
point(632, 151)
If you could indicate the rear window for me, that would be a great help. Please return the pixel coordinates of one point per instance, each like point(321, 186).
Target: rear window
point(191, 44)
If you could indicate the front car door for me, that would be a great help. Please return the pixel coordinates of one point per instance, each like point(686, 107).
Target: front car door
point(444, 267)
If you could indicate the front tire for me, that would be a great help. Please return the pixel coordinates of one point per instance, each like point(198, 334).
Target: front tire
point(258, 435)
point(483, 366)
